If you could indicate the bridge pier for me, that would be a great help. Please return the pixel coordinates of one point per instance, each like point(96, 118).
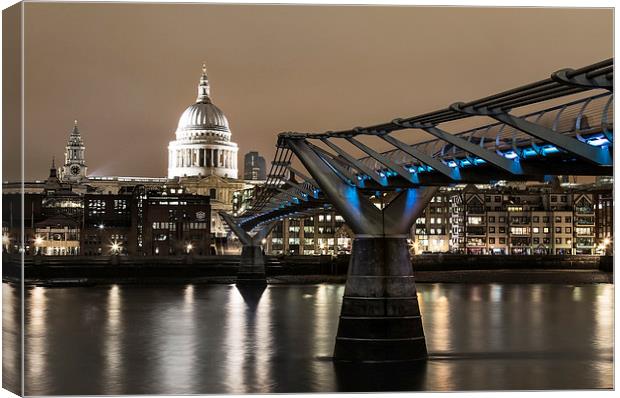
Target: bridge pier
point(380, 318)
point(252, 266)
point(252, 262)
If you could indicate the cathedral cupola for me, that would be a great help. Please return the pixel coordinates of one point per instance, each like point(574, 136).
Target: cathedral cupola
point(203, 143)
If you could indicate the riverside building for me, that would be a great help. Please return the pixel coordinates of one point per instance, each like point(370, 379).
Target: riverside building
point(134, 221)
point(202, 160)
point(535, 219)
point(142, 219)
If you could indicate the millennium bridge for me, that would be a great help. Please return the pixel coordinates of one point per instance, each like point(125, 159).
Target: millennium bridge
point(561, 125)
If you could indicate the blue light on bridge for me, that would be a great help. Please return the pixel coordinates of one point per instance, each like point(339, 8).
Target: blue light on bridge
point(550, 149)
point(598, 141)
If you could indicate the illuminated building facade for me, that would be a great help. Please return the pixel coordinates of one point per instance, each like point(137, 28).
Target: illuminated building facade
point(531, 221)
point(136, 221)
point(176, 223)
point(323, 233)
point(535, 220)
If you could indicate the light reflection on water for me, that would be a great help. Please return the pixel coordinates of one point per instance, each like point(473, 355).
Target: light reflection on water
point(11, 338)
point(219, 339)
point(112, 343)
point(36, 348)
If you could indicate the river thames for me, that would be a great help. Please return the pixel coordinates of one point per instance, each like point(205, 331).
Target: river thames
point(204, 339)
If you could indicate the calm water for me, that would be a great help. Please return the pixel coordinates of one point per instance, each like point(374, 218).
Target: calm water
point(216, 339)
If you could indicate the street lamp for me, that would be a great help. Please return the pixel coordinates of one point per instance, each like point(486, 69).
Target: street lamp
point(116, 247)
point(189, 247)
point(38, 241)
point(6, 242)
point(604, 246)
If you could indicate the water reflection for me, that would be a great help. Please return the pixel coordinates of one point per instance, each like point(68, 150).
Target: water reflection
point(381, 377)
point(174, 342)
point(37, 360)
point(11, 338)
point(112, 343)
point(235, 342)
point(323, 333)
point(603, 330)
point(262, 344)
point(219, 339)
point(251, 295)
point(248, 339)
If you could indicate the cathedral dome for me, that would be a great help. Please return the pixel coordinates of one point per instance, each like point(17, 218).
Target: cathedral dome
point(203, 143)
point(203, 116)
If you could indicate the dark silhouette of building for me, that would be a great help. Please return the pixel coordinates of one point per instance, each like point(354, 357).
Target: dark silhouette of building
point(254, 166)
point(136, 221)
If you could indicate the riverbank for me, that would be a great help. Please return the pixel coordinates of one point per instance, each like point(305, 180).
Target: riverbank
point(505, 276)
point(525, 276)
point(81, 271)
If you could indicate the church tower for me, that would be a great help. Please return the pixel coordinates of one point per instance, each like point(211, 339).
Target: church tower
point(74, 169)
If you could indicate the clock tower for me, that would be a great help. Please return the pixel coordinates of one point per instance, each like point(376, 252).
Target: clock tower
point(74, 169)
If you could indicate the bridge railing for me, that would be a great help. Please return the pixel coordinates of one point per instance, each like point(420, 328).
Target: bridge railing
point(590, 119)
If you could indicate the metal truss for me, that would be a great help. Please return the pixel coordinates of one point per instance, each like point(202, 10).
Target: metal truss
point(575, 137)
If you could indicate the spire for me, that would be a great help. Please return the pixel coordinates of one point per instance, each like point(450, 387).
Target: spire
point(203, 87)
point(75, 138)
point(53, 171)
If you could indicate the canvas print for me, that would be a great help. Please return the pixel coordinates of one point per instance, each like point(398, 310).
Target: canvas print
point(283, 198)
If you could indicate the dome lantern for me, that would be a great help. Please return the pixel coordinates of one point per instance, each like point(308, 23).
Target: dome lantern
point(203, 86)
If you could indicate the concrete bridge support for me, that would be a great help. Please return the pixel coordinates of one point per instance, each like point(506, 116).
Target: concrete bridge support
point(380, 318)
point(252, 263)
